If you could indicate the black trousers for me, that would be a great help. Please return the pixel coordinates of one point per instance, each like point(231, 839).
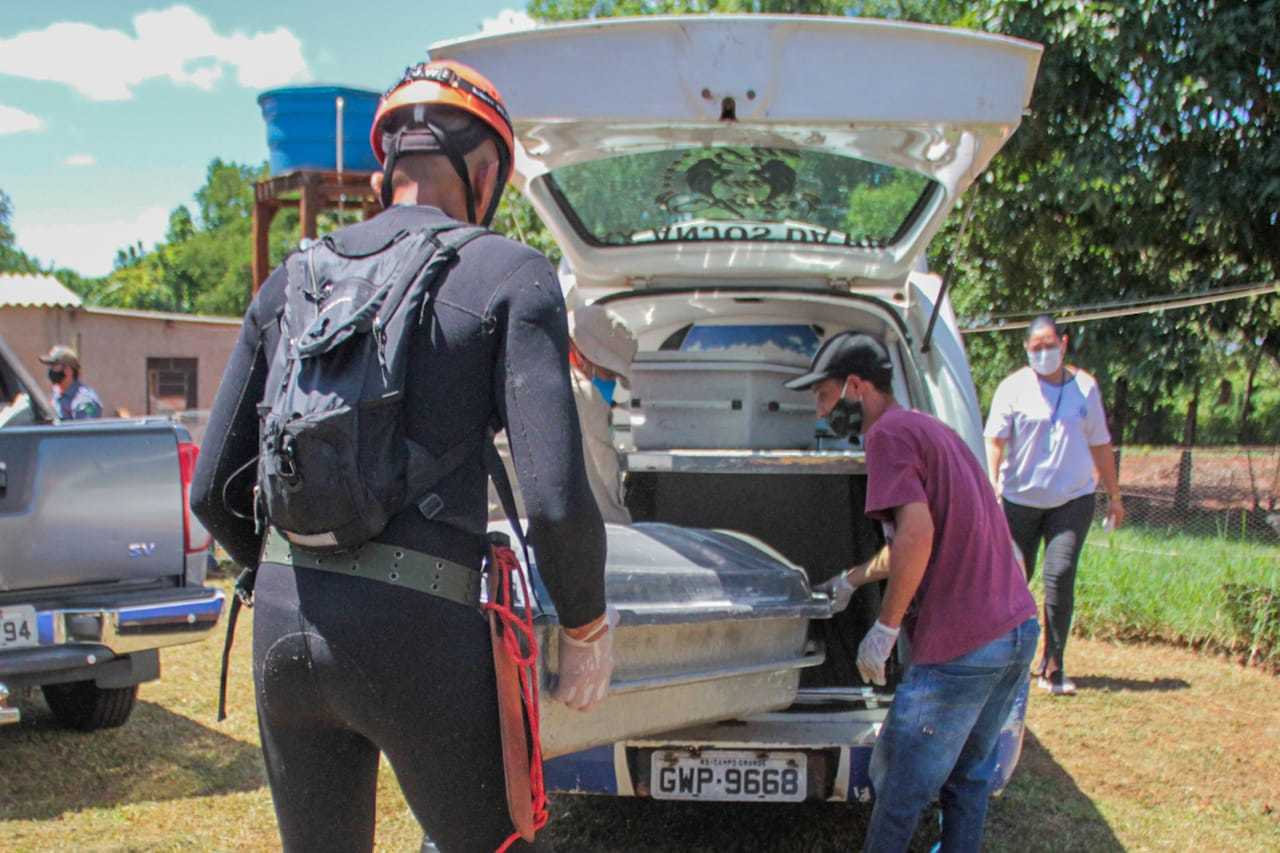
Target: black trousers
point(1063, 530)
point(345, 669)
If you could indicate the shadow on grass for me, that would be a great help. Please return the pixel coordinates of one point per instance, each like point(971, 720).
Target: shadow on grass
point(1106, 684)
point(1044, 809)
point(156, 756)
point(627, 824)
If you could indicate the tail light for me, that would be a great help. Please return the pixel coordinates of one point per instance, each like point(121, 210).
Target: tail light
point(188, 453)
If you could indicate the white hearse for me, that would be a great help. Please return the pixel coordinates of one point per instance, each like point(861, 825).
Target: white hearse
point(737, 189)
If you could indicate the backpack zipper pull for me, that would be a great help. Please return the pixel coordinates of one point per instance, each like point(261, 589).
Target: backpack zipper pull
point(380, 336)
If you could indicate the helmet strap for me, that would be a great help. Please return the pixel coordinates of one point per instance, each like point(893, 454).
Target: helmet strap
point(443, 145)
point(504, 172)
point(459, 162)
point(388, 169)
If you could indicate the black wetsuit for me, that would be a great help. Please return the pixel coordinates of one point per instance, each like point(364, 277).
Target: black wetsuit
point(345, 667)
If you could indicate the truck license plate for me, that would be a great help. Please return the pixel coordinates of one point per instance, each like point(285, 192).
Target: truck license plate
point(728, 775)
point(18, 627)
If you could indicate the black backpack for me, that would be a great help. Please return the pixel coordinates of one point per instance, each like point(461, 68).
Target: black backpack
point(334, 461)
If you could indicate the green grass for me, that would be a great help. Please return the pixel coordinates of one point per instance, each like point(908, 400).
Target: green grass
point(1219, 591)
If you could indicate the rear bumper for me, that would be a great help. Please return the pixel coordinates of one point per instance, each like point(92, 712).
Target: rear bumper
point(838, 746)
point(87, 640)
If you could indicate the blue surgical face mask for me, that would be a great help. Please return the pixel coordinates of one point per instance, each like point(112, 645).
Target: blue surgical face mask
point(605, 387)
point(1045, 361)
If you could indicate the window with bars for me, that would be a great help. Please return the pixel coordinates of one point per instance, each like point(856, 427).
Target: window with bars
point(171, 385)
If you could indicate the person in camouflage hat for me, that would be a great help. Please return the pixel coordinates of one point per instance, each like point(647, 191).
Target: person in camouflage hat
point(72, 400)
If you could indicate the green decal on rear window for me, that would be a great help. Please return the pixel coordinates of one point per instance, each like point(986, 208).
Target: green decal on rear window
point(740, 193)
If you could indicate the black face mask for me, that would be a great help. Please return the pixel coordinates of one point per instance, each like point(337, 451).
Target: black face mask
point(57, 374)
point(845, 417)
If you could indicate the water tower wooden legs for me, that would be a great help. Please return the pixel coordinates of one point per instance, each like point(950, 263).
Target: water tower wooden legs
point(308, 209)
point(311, 192)
point(263, 213)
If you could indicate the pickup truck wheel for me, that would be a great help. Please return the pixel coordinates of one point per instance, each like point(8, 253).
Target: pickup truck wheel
point(86, 706)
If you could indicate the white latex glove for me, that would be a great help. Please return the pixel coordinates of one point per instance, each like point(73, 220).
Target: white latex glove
point(874, 650)
point(839, 589)
point(586, 666)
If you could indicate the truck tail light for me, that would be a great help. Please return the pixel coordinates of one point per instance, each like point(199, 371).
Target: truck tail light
point(188, 453)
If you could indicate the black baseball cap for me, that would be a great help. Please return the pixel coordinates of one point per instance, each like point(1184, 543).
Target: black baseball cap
point(843, 354)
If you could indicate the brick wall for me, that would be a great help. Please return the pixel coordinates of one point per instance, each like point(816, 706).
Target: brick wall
point(114, 349)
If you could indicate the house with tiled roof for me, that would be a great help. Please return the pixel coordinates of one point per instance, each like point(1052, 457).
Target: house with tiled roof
point(140, 362)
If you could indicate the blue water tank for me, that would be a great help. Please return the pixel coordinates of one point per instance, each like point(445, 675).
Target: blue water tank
point(302, 127)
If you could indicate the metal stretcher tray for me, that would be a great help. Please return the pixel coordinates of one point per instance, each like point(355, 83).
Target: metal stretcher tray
point(790, 462)
point(714, 626)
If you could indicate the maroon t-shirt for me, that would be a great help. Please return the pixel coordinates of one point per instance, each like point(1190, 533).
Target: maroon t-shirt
point(973, 589)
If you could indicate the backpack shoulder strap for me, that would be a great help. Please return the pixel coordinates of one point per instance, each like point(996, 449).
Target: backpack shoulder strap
point(442, 246)
point(455, 237)
point(426, 469)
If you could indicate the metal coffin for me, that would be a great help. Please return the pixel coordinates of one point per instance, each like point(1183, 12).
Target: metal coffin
point(714, 626)
point(687, 400)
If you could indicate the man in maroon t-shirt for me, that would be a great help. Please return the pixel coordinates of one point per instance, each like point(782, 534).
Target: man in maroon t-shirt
point(955, 585)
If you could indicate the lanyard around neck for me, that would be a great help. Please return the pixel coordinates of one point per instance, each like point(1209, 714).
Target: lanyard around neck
point(1062, 390)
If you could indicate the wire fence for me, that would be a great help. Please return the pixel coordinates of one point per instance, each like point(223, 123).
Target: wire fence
point(1198, 558)
point(1228, 492)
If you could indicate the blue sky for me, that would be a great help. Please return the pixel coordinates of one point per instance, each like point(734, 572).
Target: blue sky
point(110, 112)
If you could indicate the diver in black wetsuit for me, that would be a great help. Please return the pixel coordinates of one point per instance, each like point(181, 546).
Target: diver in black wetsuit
point(347, 667)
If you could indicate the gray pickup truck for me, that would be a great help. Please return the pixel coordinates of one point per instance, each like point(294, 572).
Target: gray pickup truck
point(101, 562)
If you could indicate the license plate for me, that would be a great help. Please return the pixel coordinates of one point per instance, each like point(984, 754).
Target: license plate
point(728, 775)
point(18, 627)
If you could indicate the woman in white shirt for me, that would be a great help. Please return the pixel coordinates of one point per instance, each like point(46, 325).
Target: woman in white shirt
point(1047, 446)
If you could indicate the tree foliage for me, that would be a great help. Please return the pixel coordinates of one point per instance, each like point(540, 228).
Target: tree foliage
point(929, 11)
point(15, 260)
point(203, 265)
point(517, 219)
point(12, 259)
point(1147, 166)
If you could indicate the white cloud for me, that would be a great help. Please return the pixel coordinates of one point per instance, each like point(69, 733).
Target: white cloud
point(176, 43)
point(80, 160)
point(14, 120)
point(90, 247)
point(507, 21)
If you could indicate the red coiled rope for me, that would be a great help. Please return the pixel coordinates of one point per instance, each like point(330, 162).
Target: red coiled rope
point(515, 628)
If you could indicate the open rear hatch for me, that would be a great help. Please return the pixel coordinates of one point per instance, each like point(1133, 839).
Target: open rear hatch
point(741, 147)
point(703, 159)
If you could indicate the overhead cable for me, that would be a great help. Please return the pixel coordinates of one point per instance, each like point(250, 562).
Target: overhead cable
point(1127, 308)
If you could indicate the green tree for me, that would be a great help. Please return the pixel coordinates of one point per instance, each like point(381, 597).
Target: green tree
point(517, 219)
point(12, 259)
point(227, 195)
point(1147, 166)
point(930, 11)
point(203, 263)
point(6, 214)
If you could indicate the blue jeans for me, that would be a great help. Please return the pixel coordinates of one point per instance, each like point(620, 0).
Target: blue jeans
point(939, 740)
